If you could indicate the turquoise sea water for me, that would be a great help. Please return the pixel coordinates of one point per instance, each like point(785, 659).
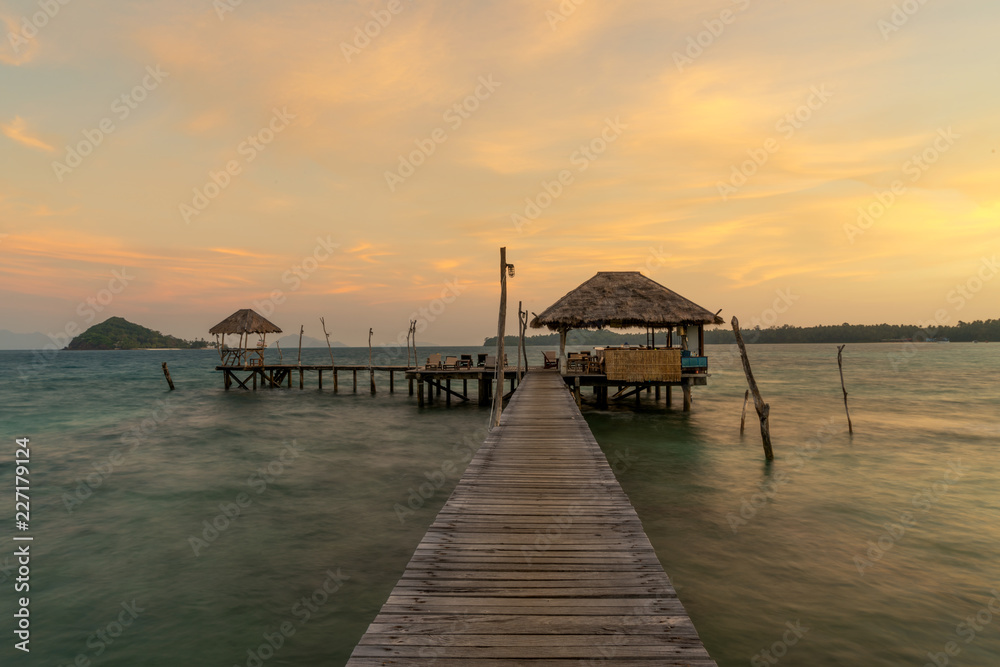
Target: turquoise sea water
point(877, 549)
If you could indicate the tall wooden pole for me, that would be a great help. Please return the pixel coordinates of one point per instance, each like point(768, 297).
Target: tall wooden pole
point(840, 364)
point(302, 330)
point(371, 371)
point(763, 409)
point(328, 346)
point(416, 359)
point(524, 332)
point(498, 396)
point(520, 337)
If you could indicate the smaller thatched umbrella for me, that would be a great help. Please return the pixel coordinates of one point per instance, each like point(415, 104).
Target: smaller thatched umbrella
point(242, 323)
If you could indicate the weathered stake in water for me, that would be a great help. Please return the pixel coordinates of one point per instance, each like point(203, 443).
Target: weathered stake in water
point(763, 409)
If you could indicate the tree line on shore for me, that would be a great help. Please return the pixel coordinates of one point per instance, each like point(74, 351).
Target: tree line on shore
point(963, 332)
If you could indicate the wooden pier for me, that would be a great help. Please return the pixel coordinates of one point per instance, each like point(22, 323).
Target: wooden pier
point(536, 558)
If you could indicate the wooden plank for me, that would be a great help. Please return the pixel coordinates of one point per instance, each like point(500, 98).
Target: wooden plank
point(537, 557)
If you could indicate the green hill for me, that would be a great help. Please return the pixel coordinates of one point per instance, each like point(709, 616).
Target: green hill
point(117, 333)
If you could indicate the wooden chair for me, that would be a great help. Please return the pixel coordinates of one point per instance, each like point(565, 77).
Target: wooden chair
point(551, 359)
point(465, 361)
point(490, 363)
point(433, 361)
point(450, 363)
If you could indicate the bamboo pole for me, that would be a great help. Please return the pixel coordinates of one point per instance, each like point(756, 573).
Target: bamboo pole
point(166, 374)
point(763, 409)
point(416, 359)
point(840, 365)
point(524, 333)
point(333, 364)
point(743, 417)
point(281, 357)
point(371, 372)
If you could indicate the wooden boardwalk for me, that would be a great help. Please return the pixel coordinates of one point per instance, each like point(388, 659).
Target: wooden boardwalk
point(537, 558)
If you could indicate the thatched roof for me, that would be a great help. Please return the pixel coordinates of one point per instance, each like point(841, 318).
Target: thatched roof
point(244, 321)
point(622, 299)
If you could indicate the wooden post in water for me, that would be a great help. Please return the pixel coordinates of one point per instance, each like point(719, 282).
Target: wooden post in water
point(166, 374)
point(332, 364)
point(371, 372)
point(840, 365)
point(763, 409)
point(420, 390)
point(302, 330)
point(281, 357)
point(743, 417)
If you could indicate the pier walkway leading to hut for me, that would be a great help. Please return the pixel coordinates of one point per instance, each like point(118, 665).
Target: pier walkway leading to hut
point(536, 558)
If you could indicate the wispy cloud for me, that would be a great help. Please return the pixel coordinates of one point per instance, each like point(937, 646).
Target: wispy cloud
point(17, 130)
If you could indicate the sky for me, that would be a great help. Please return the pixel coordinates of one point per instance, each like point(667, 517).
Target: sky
point(788, 162)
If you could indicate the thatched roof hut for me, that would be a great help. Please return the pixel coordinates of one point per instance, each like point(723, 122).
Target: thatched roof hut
point(622, 299)
point(243, 322)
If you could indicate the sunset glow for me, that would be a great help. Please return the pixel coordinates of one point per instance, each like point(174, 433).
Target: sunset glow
point(361, 159)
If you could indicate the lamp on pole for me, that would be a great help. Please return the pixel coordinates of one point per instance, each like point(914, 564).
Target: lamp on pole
point(505, 270)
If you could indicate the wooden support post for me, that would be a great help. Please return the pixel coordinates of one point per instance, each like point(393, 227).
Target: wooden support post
point(302, 330)
point(420, 390)
point(743, 417)
point(355, 371)
point(657, 393)
point(763, 409)
point(501, 327)
point(392, 382)
point(638, 395)
point(686, 388)
point(170, 383)
point(226, 380)
point(465, 388)
point(302, 379)
point(333, 365)
point(668, 392)
point(289, 373)
point(335, 380)
point(562, 351)
point(430, 391)
point(576, 391)
point(320, 373)
point(438, 395)
point(447, 393)
point(411, 386)
point(701, 340)
point(371, 371)
point(840, 365)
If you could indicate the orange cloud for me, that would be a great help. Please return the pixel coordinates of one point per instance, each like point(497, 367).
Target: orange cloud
point(17, 130)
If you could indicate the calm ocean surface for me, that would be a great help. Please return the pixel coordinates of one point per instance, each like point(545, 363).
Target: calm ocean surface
point(876, 549)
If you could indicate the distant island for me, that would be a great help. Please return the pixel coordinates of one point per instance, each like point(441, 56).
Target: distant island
point(964, 332)
point(117, 333)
